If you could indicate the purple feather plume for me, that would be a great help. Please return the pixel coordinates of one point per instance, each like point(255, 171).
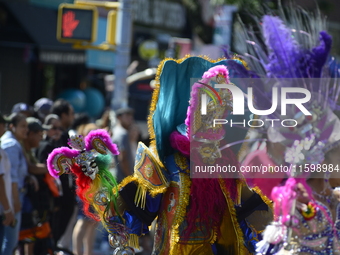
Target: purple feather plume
point(320, 54)
point(284, 52)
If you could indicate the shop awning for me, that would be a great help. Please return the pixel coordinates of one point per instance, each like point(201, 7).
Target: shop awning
point(41, 24)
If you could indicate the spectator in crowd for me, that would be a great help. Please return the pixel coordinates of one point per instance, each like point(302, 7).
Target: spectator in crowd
point(23, 108)
point(10, 142)
point(42, 107)
point(65, 112)
point(51, 138)
point(6, 203)
point(125, 160)
point(35, 231)
point(64, 219)
point(34, 136)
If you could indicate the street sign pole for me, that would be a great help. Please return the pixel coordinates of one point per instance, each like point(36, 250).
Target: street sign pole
point(120, 95)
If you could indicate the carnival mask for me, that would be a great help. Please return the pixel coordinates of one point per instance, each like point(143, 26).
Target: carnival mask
point(83, 153)
point(87, 161)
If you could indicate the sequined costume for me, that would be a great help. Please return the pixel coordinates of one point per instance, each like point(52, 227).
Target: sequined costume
point(317, 235)
point(161, 185)
point(216, 215)
point(295, 54)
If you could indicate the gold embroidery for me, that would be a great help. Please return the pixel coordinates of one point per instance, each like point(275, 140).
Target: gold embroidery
point(184, 187)
point(182, 162)
point(238, 230)
point(181, 210)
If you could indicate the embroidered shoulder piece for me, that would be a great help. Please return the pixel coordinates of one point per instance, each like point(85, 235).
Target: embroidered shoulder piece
point(148, 174)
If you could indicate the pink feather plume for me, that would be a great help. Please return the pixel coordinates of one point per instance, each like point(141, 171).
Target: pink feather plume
point(105, 137)
point(69, 153)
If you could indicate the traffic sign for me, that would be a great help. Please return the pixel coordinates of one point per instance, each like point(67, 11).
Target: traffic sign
point(77, 23)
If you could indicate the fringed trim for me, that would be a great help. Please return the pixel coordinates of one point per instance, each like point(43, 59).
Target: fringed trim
point(239, 185)
point(154, 192)
point(154, 98)
point(264, 197)
point(140, 197)
point(153, 149)
point(133, 241)
point(152, 189)
point(239, 234)
point(126, 181)
point(140, 169)
point(181, 210)
point(214, 236)
point(244, 63)
point(156, 90)
point(143, 187)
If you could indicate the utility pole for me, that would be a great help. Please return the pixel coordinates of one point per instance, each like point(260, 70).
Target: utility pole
point(120, 95)
point(120, 37)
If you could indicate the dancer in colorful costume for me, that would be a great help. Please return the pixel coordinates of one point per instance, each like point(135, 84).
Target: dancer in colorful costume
point(307, 209)
point(195, 215)
point(90, 159)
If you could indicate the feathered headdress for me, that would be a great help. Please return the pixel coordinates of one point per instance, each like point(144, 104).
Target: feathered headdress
point(294, 51)
point(201, 126)
point(96, 142)
point(89, 160)
point(206, 138)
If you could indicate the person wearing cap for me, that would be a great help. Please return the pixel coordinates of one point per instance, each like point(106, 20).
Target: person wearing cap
point(6, 203)
point(42, 107)
point(23, 108)
point(65, 112)
point(32, 141)
point(63, 218)
point(125, 160)
point(10, 142)
point(40, 200)
point(51, 139)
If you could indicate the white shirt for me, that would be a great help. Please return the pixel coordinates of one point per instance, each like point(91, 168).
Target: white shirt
point(5, 171)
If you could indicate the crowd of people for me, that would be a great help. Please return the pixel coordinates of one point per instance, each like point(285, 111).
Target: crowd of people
point(162, 185)
point(40, 214)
